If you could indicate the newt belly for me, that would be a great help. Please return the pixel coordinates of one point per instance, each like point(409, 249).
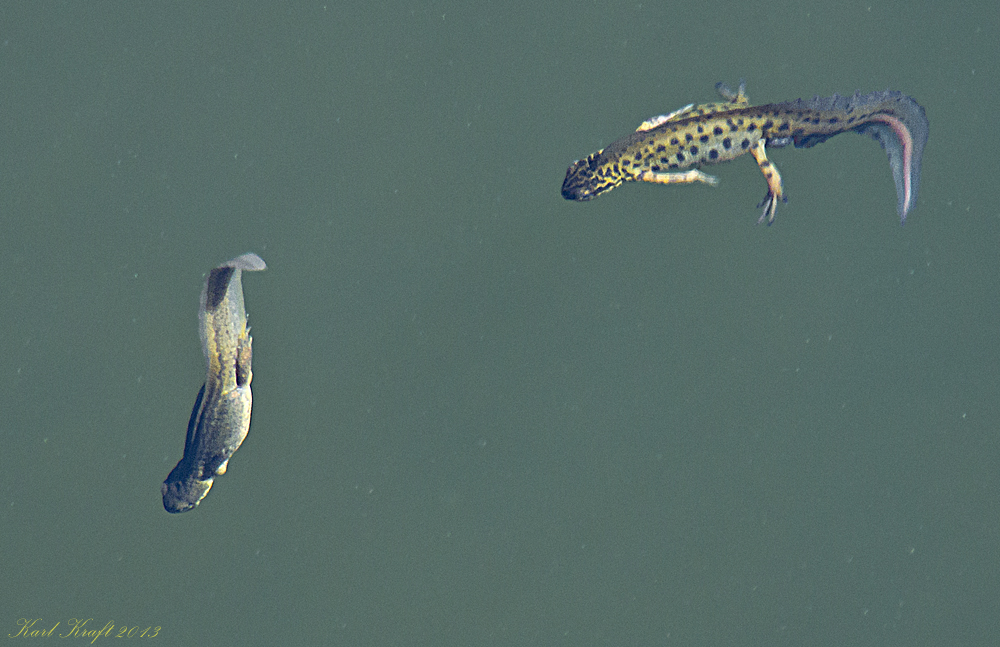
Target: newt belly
point(663, 147)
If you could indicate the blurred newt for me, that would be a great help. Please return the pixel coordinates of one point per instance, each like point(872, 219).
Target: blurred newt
point(220, 419)
point(662, 147)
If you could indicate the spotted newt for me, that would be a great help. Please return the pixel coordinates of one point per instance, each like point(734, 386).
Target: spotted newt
point(663, 147)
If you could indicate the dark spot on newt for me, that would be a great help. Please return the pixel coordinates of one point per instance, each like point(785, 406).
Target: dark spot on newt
point(726, 143)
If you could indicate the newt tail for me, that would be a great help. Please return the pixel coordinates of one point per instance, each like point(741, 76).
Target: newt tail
point(663, 147)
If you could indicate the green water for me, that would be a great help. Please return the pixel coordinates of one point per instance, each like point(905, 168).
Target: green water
point(484, 415)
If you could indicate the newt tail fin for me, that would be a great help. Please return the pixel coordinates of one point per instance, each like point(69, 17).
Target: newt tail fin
point(895, 121)
point(901, 127)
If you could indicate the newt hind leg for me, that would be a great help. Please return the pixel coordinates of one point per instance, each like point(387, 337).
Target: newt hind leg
point(739, 97)
point(773, 179)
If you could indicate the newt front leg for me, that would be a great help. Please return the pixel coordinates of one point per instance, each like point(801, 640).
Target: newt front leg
point(687, 177)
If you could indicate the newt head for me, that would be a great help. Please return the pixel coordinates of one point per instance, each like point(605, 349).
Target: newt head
point(590, 177)
point(183, 491)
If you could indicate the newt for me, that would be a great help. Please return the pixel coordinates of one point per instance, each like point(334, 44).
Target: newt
point(220, 419)
point(663, 147)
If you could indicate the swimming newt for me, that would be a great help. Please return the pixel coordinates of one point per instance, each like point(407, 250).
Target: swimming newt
point(220, 419)
point(662, 147)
